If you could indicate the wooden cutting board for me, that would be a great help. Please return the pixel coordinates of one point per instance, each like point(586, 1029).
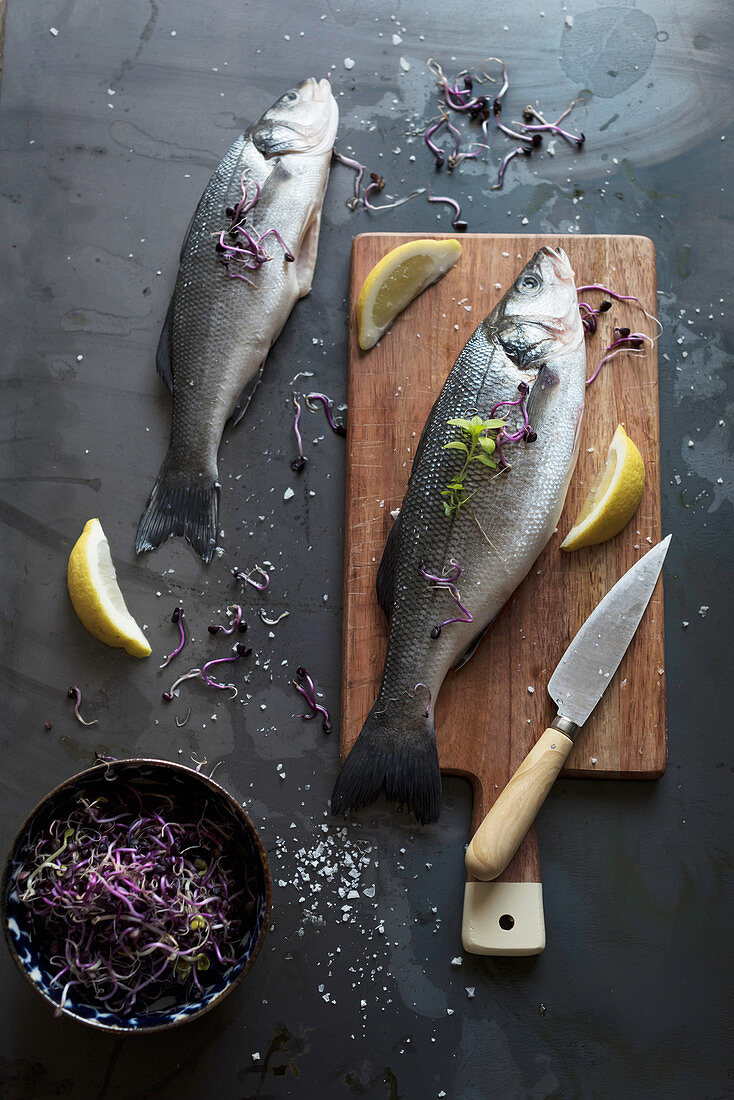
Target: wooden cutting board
point(491, 711)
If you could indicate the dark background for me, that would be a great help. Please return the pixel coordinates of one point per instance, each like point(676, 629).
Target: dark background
point(632, 996)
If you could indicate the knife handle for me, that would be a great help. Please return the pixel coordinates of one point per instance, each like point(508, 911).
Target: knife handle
point(500, 834)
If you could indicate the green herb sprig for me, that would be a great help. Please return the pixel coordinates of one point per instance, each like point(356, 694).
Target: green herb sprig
point(477, 444)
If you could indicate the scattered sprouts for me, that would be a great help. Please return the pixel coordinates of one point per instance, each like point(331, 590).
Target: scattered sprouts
point(456, 222)
point(312, 404)
point(238, 624)
point(178, 618)
point(273, 622)
point(260, 585)
point(447, 580)
point(298, 463)
point(308, 690)
point(75, 694)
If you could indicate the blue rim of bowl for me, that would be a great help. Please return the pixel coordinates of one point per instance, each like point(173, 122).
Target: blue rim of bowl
point(93, 772)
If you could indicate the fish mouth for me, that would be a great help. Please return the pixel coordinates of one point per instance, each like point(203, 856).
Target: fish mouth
point(560, 263)
point(317, 135)
point(318, 90)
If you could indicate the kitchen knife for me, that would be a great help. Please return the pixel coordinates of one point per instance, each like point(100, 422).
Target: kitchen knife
point(578, 683)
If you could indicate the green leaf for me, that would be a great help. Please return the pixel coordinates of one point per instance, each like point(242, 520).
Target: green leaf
point(457, 422)
point(454, 486)
point(491, 424)
point(487, 444)
point(456, 445)
point(487, 461)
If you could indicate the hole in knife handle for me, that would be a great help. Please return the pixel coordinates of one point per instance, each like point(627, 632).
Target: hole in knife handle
point(506, 922)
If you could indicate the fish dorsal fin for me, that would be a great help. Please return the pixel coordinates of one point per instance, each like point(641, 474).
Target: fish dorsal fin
point(246, 396)
point(163, 352)
point(386, 571)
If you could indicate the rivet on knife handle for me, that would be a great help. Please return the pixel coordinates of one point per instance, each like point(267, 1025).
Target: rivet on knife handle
point(500, 834)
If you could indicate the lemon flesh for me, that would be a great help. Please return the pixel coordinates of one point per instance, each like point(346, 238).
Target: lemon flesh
point(397, 280)
point(614, 497)
point(96, 595)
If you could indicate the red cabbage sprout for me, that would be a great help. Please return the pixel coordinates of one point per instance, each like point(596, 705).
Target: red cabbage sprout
point(247, 577)
point(75, 694)
point(521, 150)
point(186, 718)
point(625, 341)
point(237, 624)
point(298, 463)
point(309, 694)
point(457, 222)
point(312, 400)
point(168, 696)
point(178, 618)
point(447, 580)
point(241, 650)
point(352, 203)
point(273, 622)
point(377, 183)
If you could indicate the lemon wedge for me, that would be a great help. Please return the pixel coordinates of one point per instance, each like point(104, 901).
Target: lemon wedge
point(96, 595)
point(397, 280)
point(614, 497)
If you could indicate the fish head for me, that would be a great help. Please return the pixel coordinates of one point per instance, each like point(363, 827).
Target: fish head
point(303, 121)
point(539, 318)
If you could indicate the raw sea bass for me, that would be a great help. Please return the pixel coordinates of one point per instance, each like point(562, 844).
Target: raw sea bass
point(533, 335)
point(234, 292)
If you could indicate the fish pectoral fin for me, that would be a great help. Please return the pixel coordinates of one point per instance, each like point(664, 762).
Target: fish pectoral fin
point(386, 571)
point(246, 396)
point(471, 649)
point(163, 352)
point(306, 260)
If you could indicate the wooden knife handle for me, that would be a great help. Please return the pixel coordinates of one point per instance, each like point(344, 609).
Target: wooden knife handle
point(500, 834)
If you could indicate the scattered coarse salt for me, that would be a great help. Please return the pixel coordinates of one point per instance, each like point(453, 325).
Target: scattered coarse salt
point(702, 610)
point(396, 40)
point(531, 690)
point(404, 65)
point(348, 62)
point(470, 991)
point(53, 31)
point(457, 961)
point(288, 493)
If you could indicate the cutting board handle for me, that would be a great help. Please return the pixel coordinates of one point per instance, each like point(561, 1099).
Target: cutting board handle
point(501, 833)
point(503, 918)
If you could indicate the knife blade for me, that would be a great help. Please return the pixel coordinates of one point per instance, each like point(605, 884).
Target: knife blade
point(580, 679)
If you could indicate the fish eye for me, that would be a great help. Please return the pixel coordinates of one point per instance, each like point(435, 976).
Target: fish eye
point(529, 283)
point(289, 97)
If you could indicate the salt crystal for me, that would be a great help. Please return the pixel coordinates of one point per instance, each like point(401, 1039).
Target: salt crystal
point(404, 65)
point(470, 991)
point(457, 961)
point(288, 493)
point(348, 62)
point(53, 31)
point(702, 610)
point(396, 40)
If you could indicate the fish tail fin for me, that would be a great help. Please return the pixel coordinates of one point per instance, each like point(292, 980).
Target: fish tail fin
point(181, 503)
point(397, 756)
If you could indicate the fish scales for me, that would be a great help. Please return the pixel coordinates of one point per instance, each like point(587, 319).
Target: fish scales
point(531, 338)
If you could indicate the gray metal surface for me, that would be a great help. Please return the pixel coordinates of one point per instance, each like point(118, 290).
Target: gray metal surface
point(586, 668)
point(96, 191)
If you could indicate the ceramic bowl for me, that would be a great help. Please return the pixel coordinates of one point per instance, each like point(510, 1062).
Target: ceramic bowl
point(189, 791)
